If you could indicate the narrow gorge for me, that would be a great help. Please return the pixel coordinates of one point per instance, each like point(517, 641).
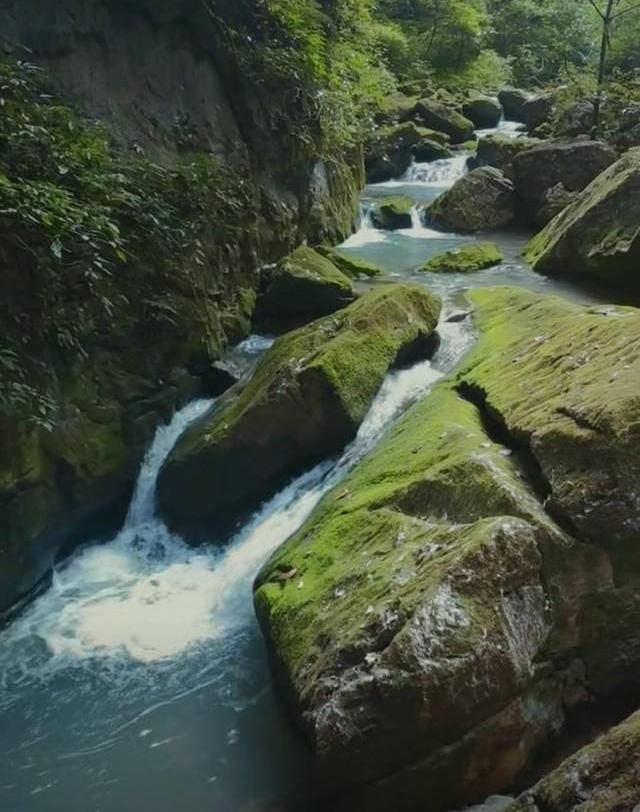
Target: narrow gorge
point(319, 406)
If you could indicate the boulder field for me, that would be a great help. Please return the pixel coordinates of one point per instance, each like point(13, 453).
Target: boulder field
point(475, 580)
point(597, 237)
point(304, 403)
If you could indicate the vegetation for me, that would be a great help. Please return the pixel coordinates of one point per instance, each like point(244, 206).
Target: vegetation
point(86, 229)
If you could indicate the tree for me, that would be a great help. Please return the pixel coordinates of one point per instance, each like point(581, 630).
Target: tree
point(609, 12)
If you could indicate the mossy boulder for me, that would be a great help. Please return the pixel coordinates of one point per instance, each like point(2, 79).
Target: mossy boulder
point(350, 264)
point(483, 111)
point(499, 150)
point(393, 148)
point(302, 287)
point(435, 632)
point(513, 101)
point(601, 777)
point(482, 200)
point(465, 259)
point(597, 237)
point(573, 163)
point(440, 116)
point(391, 213)
point(304, 403)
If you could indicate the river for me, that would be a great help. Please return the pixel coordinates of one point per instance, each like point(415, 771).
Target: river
point(138, 680)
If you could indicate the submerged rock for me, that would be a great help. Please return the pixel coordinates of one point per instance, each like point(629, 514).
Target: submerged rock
point(465, 259)
point(305, 402)
point(603, 777)
point(442, 622)
point(482, 200)
point(483, 111)
point(300, 288)
point(597, 237)
point(393, 212)
point(573, 163)
point(350, 264)
point(513, 101)
point(443, 118)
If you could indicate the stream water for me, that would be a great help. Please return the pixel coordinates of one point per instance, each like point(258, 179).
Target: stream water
point(139, 680)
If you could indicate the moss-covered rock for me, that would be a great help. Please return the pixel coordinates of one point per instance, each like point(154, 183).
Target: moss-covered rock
point(350, 264)
point(465, 259)
point(305, 402)
point(392, 149)
point(499, 151)
point(300, 288)
point(513, 101)
point(483, 111)
point(435, 634)
point(391, 213)
point(440, 116)
point(602, 777)
point(482, 200)
point(597, 237)
point(573, 163)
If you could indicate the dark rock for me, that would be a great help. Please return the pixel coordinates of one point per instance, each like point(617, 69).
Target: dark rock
point(482, 200)
point(483, 111)
point(217, 379)
point(554, 201)
point(438, 116)
point(391, 213)
point(393, 148)
point(513, 101)
point(576, 120)
point(538, 110)
point(597, 237)
point(305, 402)
point(572, 163)
point(302, 287)
point(499, 151)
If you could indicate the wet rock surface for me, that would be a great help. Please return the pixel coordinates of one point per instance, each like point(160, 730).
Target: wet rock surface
point(451, 597)
point(482, 200)
point(304, 403)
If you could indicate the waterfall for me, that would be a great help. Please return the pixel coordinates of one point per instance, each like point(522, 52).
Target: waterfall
point(442, 173)
point(146, 596)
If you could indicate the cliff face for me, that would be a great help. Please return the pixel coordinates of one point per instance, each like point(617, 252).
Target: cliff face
point(172, 82)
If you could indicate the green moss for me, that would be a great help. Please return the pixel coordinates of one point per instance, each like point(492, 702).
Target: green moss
point(602, 777)
point(308, 264)
point(392, 212)
point(465, 259)
point(350, 350)
point(350, 264)
point(390, 532)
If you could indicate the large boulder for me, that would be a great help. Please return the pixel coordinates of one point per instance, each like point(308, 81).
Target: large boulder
point(574, 164)
point(499, 151)
point(576, 119)
point(482, 200)
point(513, 101)
point(597, 237)
point(443, 118)
point(393, 148)
point(449, 599)
point(601, 777)
point(393, 212)
point(538, 110)
point(305, 402)
point(483, 111)
point(300, 288)
point(474, 256)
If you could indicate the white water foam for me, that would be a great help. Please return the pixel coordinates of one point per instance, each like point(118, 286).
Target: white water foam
point(366, 234)
point(147, 596)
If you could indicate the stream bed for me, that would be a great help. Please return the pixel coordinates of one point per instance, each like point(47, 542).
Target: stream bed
point(139, 680)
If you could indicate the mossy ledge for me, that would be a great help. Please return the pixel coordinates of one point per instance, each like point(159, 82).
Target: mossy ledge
point(440, 606)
